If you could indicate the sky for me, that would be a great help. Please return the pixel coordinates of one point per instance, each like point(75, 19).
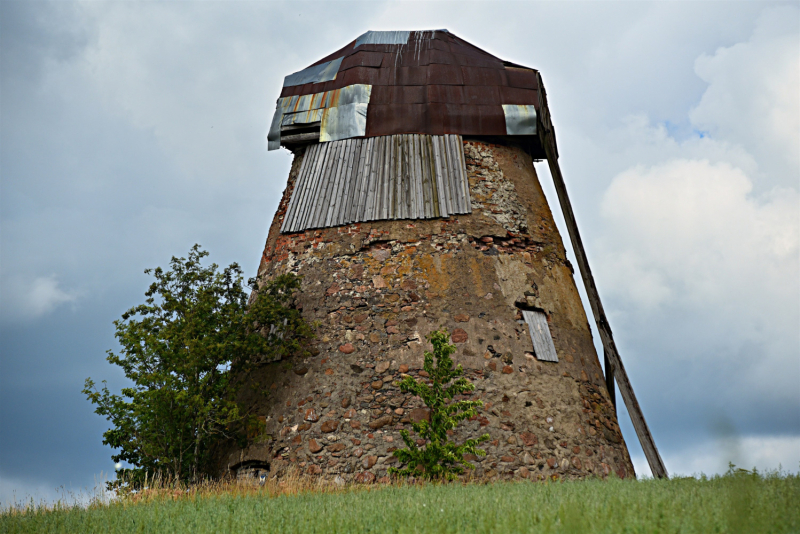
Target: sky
point(131, 130)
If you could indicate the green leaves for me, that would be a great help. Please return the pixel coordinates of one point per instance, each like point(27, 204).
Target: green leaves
point(183, 351)
point(440, 459)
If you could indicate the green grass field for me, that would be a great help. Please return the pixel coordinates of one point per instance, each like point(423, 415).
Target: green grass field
point(742, 503)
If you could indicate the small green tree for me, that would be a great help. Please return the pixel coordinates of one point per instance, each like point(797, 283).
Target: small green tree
point(184, 351)
point(439, 458)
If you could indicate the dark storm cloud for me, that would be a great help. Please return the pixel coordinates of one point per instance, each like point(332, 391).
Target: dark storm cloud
point(128, 134)
point(130, 131)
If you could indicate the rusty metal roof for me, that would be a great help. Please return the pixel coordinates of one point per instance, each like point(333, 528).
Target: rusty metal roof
point(424, 82)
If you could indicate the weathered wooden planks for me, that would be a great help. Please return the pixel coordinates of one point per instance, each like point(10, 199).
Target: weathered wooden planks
point(406, 176)
point(540, 335)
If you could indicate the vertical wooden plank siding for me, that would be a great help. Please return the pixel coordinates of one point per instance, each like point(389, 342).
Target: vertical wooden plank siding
point(419, 199)
point(407, 181)
point(436, 174)
point(380, 189)
point(425, 162)
point(334, 200)
point(386, 197)
point(341, 212)
point(358, 213)
point(293, 201)
point(322, 159)
point(325, 179)
point(326, 201)
point(301, 186)
point(373, 181)
point(444, 205)
point(305, 205)
point(453, 162)
point(411, 202)
point(464, 177)
point(407, 176)
point(424, 168)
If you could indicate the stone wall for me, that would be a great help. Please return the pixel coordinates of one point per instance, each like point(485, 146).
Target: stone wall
point(375, 290)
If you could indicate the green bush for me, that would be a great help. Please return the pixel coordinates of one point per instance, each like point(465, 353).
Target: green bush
point(184, 351)
point(439, 458)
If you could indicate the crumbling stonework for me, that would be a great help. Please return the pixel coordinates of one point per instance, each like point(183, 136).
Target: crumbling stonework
point(375, 290)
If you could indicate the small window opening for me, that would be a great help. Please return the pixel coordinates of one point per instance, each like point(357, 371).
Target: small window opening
point(251, 469)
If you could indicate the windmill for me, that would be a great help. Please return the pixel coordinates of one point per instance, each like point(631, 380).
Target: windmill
point(413, 203)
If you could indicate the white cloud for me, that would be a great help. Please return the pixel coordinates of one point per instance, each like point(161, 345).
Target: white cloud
point(203, 78)
point(688, 230)
point(691, 231)
point(17, 492)
point(698, 253)
point(199, 97)
point(26, 299)
point(690, 254)
point(21, 492)
point(752, 97)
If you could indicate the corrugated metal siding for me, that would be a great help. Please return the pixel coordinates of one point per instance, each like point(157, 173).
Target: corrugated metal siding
point(407, 176)
point(540, 335)
point(348, 122)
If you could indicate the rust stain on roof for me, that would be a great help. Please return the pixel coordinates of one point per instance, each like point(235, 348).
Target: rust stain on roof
point(435, 83)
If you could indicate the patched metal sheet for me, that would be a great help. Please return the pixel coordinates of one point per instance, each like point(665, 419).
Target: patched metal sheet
point(543, 346)
point(390, 38)
point(285, 105)
point(520, 119)
point(324, 72)
point(343, 122)
point(310, 108)
point(353, 94)
point(434, 83)
point(406, 176)
point(302, 117)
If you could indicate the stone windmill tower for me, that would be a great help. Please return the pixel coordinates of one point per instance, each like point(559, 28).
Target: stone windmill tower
point(413, 203)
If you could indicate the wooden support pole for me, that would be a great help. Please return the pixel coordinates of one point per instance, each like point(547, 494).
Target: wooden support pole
point(610, 381)
point(613, 362)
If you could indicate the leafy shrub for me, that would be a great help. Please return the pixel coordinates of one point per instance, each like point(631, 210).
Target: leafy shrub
point(184, 351)
point(439, 458)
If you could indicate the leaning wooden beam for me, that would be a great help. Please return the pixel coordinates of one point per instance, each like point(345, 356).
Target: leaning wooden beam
point(610, 349)
point(309, 137)
point(609, 380)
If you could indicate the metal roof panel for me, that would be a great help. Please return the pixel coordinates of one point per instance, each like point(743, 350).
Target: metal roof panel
point(398, 94)
point(444, 75)
point(314, 74)
point(426, 82)
point(377, 37)
point(481, 76)
point(522, 78)
point(362, 59)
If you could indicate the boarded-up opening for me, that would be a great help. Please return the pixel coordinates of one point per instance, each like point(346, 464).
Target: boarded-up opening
point(543, 347)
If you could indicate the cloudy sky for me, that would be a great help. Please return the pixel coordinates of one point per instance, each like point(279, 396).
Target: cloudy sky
point(130, 131)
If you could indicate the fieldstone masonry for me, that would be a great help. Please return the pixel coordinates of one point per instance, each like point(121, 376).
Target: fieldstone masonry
point(375, 290)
